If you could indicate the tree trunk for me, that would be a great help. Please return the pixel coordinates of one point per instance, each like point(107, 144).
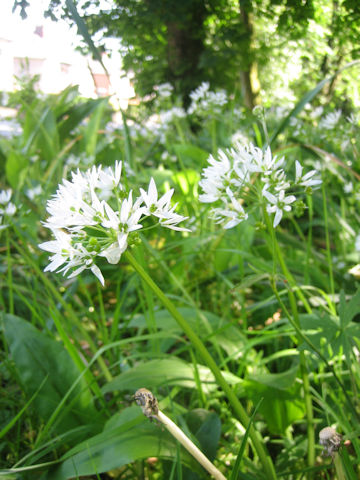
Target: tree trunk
point(185, 35)
point(248, 75)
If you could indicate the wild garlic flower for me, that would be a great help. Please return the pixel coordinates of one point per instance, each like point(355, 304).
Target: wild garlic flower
point(353, 119)
point(95, 215)
point(168, 116)
point(203, 100)
point(246, 177)
point(330, 121)
point(7, 208)
point(164, 90)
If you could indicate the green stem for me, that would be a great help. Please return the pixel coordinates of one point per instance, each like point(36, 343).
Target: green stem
point(294, 319)
point(285, 270)
point(9, 273)
point(238, 409)
point(213, 136)
point(327, 240)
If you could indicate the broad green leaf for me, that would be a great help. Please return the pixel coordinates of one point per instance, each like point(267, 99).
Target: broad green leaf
point(348, 310)
point(280, 407)
point(127, 437)
point(191, 155)
point(165, 372)
point(317, 328)
point(40, 359)
point(73, 117)
point(205, 324)
point(251, 280)
point(206, 426)
point(16, 169)
point(42, 132)
point(280, 381)
point(282, 403)
point(92, 129)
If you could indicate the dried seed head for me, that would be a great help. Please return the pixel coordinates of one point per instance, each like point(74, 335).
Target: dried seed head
point(147, 401)
point(330, 439)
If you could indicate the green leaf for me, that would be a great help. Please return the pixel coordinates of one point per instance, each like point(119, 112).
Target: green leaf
point(206, 426)
point(92, 129)
point(318, 327)
point(279, 381)
point(40, 359)
point(16, 169)
point(236, 469)
point(191, 155)
point(75, 115)
point(127, 437)
point(306, 99)
point(165, 371)
point(40, 132)
point(127, 143)
point(205, 324)
point(282, 402)
point(348, 310)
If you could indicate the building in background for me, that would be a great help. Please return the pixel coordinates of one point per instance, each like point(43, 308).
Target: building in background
point(45, 51)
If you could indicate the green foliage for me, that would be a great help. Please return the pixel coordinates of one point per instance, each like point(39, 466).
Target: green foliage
point(188, 42)
point(41, 361)
point(277, 311)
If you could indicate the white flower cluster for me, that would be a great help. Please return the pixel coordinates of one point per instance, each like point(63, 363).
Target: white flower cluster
point(7, 208)
point(243, 173)
point(165, 90)
point(94, 215)
point(330, 121)
point(204, 100)
point(170, 115)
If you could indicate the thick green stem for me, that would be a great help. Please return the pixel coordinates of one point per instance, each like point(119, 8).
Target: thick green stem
point(237, 407)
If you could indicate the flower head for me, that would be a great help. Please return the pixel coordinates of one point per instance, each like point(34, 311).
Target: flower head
point(7, 208)
point(238, 175)
point(94, 216)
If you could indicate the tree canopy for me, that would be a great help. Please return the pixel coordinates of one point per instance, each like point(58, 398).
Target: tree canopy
point(245, 46)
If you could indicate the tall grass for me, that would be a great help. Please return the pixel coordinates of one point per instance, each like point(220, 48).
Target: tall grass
point(248, 337)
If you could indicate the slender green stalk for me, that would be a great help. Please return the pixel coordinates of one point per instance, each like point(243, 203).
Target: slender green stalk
point(295, 320)
point(327, 240)
point(179, 130)
point(213, 136)
point(237, 407)
point(9, 273)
